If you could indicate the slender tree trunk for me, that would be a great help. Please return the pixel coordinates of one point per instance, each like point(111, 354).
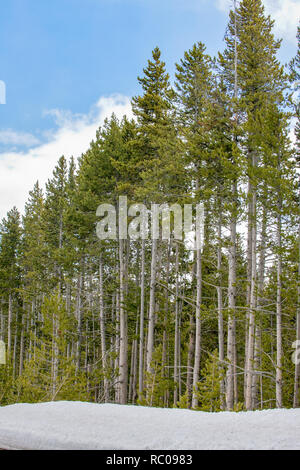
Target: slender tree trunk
point(123, 365)
point(22, 344)
point(9, 323)
point(135, 363)
point(150, 341)
point(279, 316)
point(258, 345)
point(165, 370)
point(102, 329)
point(297, 362)
point(198, 329)
point(117, 348)
point(191, 352)
point(251, 332)
point(179, 350)
point(231, 388)
point(256, 363)
point(231, 384)
point(249, 271)
point(54, 354)
point(15, 346)
point(220, 309)
point(2, 322)
point(176, 339)
point(142, 316)
point(79, 320)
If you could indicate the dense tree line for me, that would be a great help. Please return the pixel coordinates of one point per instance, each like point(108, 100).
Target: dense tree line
point(148, 321)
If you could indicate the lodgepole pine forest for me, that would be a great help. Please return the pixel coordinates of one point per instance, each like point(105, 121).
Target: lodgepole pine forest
point(148, 322)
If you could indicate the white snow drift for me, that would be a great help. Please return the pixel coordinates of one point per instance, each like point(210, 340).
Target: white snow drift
point(74, 425)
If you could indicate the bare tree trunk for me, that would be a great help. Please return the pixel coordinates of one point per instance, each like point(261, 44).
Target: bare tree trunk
point(220, 309)
point(21, 362)
point(54, 355)
point(231, 346)
point(9, 322)
point(165, 371)
point(235, 374)
point(258, 345)
point(150, 340)
point(30, 325)
point(79, 319)
point(123, 365)
point(251, 332)
point(176, 339)
point(279, 316)
point(179, 350)
point(198, 329)
point(2, 321)
point(249, 270)
point(297, 363)
point(191, 352)
point(142, 316)
point(102, 329)
point(231, 386)
point(256, 363)
point(15, 346)
point(134, 363)
point(117, 347)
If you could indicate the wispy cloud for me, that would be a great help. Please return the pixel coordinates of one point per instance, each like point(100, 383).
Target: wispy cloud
point(20, 170)
point(286, 14)
point(224, 5)
point(11, 137)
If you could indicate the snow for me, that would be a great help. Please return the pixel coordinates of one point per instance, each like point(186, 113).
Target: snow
point(76, 426)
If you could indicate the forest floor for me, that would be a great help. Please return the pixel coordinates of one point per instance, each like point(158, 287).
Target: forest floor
point(77, 425)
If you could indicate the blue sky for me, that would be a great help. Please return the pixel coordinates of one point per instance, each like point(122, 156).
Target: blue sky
point(66, 53)
point(68, 63)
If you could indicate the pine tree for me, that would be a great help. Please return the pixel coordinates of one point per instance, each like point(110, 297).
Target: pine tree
point(295, 78)
point(157, 146)
point(194, 85)
point(10, 275)
point(50, 375)
point(260, 80)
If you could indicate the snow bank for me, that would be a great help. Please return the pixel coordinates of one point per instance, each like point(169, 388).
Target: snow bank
point(75, 425)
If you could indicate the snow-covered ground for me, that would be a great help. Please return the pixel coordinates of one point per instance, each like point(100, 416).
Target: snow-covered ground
point(74, 425)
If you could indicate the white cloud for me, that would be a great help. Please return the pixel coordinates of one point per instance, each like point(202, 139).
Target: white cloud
point(224, 5)
point(286, 14)
point(10, 137)
point(20, 170)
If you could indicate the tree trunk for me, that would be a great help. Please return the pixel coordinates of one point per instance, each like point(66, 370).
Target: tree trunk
point(9, 323)
point(251, 331)
point(198, 328)
point(142, 317)
point(151, 323)
point(231, 384)
point(79, 319)
point(297, 362)
point(176, 339)
point(165, 371)
point(279, 316)
point(102, 329)
point(21, 362)
point(258, 344)
point(220, 309)
point(123, 364)
point(231, 347)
